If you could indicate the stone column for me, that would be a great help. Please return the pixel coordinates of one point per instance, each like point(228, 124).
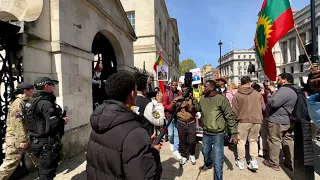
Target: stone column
point(318, 37)
point(288, 51)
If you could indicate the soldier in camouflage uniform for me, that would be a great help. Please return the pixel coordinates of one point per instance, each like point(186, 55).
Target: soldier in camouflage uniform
point(16, 136)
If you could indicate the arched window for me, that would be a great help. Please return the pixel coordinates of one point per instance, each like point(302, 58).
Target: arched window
point(160, 30)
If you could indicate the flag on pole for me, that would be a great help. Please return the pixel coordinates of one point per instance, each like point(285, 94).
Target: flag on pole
point(275, 20)
point(158, 63)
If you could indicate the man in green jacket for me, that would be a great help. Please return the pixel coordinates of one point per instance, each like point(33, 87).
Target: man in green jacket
point(216, 115)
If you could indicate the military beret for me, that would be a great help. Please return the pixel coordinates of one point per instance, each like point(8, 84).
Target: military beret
point(41, 81)
point(25, 85)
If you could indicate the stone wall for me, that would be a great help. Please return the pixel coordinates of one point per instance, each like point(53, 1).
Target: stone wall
point(58, 45)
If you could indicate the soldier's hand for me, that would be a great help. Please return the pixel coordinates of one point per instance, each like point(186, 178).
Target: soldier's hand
point(24, 145)
point(66, 120)
point(159, 97)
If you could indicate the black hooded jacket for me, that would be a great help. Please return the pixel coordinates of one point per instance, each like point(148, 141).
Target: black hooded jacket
point(119, 148)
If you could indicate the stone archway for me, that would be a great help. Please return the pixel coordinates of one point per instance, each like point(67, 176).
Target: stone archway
point(104, 64)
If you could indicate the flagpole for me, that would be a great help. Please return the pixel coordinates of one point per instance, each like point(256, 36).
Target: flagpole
point(302, 44)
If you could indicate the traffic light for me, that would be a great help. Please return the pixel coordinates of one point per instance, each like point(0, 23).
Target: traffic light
point(303, 57)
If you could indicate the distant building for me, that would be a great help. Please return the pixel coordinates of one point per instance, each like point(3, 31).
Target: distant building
point(213, 74)
point(235, 63)
point(207, 68)
point(155, 30)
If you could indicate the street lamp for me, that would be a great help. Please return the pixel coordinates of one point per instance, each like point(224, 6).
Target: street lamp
point(220, 44)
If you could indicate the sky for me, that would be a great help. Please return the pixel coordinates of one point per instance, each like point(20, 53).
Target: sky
point(202, 25)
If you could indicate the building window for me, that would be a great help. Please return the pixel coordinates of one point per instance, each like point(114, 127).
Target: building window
point(165, 40)
point(249, 56)
point(244, 56)
point(293, 49)
point(284, 52)
point(239, 57)
point(303, 38)
point(283, 70)
point(292, 69)
point(301, 67)
point(160, 31)
point(132, 18)
point(239, 64)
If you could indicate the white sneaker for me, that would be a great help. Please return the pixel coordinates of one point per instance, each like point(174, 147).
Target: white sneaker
point(193, 159)
point(253, 165)
point(171, 147)
point(183, 160)
point(240, 165)
point(177, 155)
point(261, 152)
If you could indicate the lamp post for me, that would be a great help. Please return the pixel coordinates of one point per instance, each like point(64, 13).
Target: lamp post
point(220, 44)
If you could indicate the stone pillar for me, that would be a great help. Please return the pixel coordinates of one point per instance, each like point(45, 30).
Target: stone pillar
point(298, 53)
point(318, 37)
point(288, 51)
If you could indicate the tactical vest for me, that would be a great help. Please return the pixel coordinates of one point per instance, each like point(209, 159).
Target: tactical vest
point(35, 125)
point(141, 104)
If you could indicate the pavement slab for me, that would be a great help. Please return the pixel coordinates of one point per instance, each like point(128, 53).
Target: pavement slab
point(75, 167)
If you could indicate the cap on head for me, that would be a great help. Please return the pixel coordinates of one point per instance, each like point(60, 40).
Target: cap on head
point(41, 81)
point(25, 85)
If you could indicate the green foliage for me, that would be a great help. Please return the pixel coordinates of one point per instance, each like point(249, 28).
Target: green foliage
point(186, 65)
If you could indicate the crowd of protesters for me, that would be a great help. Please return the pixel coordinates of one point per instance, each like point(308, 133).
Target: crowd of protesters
point(253, 114)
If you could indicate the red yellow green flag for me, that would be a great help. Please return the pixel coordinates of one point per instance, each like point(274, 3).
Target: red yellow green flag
point(275, 20)
point(159, 63)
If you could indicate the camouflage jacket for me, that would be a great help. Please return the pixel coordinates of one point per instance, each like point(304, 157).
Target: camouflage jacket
point(16, 129)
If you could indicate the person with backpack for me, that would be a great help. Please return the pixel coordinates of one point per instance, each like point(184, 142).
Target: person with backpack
point(280, 105)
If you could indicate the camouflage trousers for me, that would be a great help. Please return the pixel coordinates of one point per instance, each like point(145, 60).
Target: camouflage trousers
point(11, 161)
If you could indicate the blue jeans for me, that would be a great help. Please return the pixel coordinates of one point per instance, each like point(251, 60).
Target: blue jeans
point(217, 141)
point(173, 135)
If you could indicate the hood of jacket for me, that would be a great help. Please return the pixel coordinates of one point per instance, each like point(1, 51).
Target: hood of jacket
point(245, 90)
point(47, 94)
point(110, 114)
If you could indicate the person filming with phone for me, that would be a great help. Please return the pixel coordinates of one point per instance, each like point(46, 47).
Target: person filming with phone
point(186, 126)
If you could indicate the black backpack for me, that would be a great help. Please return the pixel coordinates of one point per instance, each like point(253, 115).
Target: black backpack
point(300, 110)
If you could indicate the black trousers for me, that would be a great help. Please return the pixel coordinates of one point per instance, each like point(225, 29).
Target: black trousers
point(187, 138)
point(48, 161)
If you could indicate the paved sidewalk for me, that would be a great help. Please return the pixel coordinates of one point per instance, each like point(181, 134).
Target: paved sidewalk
point(75, 169)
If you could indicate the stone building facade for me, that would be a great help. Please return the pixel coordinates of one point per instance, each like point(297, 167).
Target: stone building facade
point(235, 63)
point(205, 68)
point(58, 40)
point(288, 49)
point(213, 74)
point(155, 30)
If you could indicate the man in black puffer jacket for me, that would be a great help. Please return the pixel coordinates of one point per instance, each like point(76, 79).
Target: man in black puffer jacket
point(119, 147)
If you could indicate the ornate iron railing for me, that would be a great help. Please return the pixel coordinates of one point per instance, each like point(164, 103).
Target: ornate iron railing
point(11, 70)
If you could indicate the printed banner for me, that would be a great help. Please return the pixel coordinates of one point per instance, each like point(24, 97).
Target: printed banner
point(162, 73)
point(196, 76)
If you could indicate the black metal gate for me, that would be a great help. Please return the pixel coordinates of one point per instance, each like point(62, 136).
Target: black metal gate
point(10, 72)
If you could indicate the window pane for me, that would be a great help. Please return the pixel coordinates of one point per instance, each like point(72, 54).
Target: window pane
point(133, 21)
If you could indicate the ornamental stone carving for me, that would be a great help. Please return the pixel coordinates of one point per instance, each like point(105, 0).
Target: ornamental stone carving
point(21, 10)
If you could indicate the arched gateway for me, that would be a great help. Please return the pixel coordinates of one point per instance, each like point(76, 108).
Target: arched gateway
point(104, 64)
